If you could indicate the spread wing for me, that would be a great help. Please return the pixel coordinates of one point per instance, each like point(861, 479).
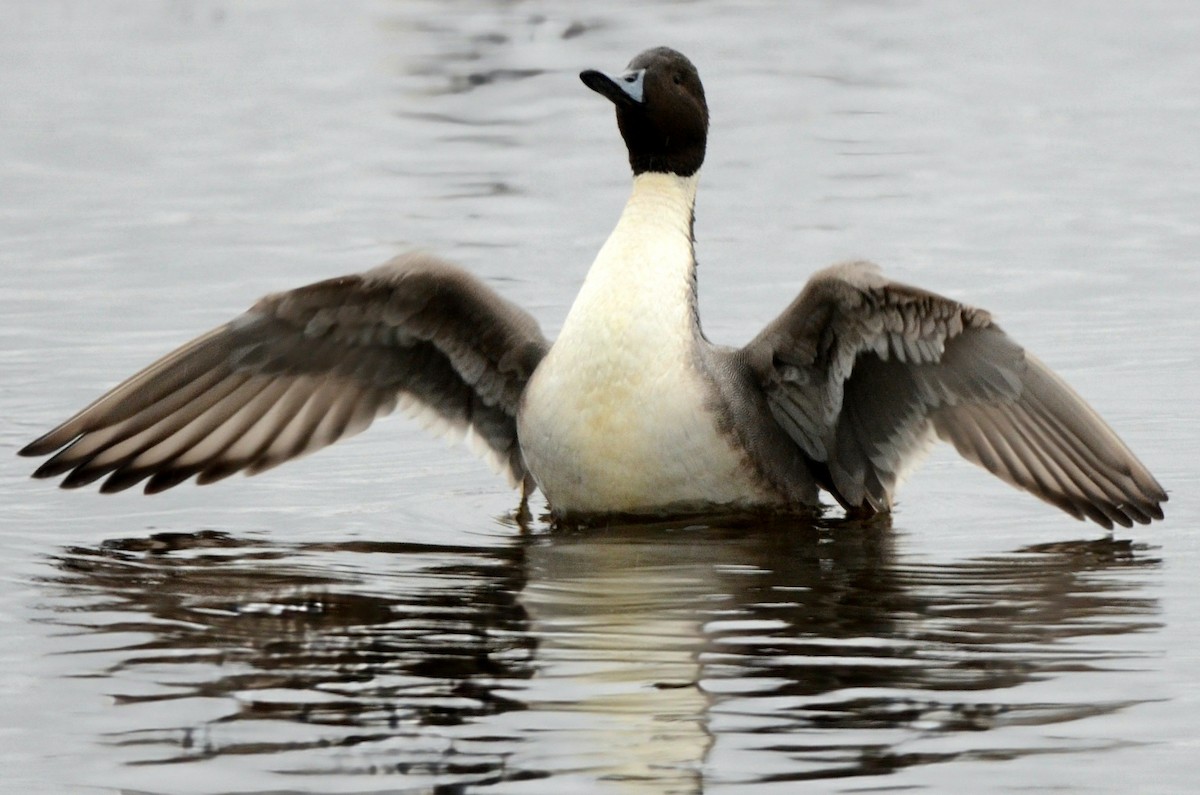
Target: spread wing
point(304, 368)
point(863, 373)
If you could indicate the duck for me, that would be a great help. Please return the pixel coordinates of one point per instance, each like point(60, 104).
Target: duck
point(631, 411)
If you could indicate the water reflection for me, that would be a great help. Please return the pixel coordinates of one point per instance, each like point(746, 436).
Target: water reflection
point(632, 655)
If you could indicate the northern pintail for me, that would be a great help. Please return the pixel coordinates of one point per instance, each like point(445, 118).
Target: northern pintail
point(631, 410)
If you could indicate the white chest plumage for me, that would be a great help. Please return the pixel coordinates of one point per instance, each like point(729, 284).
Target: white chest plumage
point(618, 416)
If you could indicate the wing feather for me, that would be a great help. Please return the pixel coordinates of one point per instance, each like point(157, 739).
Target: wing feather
point(305, 368)
point(861, 372)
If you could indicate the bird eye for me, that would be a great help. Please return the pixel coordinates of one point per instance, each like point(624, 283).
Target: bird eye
point(678, 78)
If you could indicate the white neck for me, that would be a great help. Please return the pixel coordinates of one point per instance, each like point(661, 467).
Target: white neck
point(619, 416)
point(643, 280)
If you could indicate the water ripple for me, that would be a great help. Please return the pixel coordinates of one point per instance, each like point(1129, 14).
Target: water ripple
point(636, 654)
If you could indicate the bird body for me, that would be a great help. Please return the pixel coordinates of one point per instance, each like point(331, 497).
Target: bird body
point(631, 410)
point(631, 341)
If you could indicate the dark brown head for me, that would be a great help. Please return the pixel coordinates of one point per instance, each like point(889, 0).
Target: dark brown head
point(661, 111)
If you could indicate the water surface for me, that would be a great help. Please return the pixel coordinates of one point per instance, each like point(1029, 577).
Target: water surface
point(371, 619)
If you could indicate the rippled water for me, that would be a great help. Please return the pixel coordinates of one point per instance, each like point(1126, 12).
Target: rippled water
point(660, 658)
point(371, 619)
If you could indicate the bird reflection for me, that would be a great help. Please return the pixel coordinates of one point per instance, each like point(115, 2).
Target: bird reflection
point(632, 656)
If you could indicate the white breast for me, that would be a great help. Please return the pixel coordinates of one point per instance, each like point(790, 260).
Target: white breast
point(618, 416)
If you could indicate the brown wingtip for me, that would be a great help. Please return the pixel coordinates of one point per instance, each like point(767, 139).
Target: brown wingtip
point(43, 445)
